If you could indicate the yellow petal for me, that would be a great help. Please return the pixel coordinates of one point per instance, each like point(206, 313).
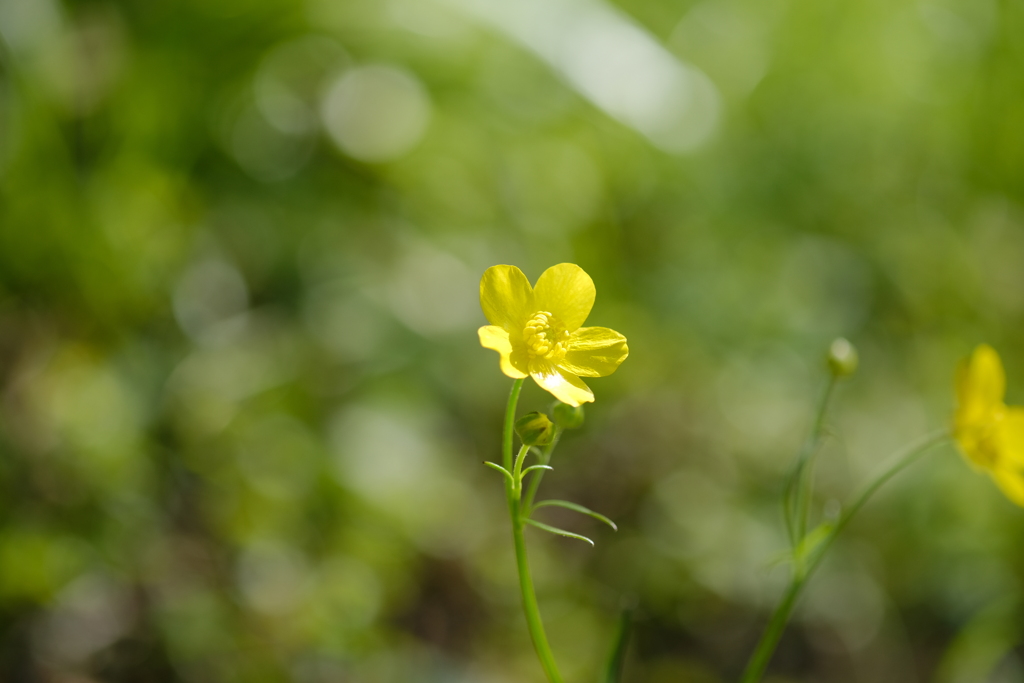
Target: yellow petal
point(494, 337)
point(594, 352)
point(980, 387)
point(1010, 431)
point(566, 291)
point(564, 386)
point(506, 297)
point(1012, 484)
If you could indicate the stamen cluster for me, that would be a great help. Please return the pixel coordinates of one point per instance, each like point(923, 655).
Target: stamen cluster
point(545, 337)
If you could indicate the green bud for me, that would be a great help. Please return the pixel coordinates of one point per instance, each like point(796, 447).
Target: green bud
point(568, 417)
point(842, 358)
point(535, 429)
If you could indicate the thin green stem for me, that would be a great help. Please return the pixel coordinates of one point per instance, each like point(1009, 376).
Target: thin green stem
point(772, 633)
point(801, 574)
point(617, 657)
point(545, 458)
point(517, 471)
point(510, 421)
point(806, 484)
point(513, 492)
point(796, 498)
point(905, 459)
point(530, 607)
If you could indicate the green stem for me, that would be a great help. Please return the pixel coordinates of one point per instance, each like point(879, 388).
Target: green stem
point(531, 491)
point(530, 607)
point(907, 457)
point(807, 470)
point(617, 659)
point(510, 421)
point(796, 499)
point(773, 632)
point(517, 471)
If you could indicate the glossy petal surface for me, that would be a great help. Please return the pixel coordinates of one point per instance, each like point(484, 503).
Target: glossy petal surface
point(506, 297)
point(537, 330)
point(566, 291)
point(496, 338)
point(595, 352)
point(564, 386)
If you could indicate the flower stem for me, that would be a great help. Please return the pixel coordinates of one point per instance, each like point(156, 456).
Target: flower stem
point(530, 608)
point(801, 574)
point(773, 632)
point(510, 421)
point(617, 659)
point(517, 473)
point(545, 459)
point(797, 494)
point(513, 492)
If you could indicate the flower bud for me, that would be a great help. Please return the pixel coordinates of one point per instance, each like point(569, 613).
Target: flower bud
point(567, 416)
point(842, 358)
point(535, 429)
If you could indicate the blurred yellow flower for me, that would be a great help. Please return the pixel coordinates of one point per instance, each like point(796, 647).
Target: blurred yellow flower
point(990, 433)
point(537, 330)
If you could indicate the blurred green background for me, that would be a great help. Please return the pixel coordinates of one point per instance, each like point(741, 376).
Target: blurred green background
point(243, 407)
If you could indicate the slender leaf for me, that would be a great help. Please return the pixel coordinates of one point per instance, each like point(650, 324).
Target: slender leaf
point(811, 542)
point(801, 556)
point(556, 530)
point(496, 466)
point(577, 508)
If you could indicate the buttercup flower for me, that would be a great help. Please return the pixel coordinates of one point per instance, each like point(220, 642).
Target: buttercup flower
point(990, 433)
point(537, 330)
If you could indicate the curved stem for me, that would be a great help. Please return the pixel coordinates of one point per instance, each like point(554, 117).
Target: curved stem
point(530, 607)
point(780, 617)
point(907, 457)
point(797, 494)
point(517, 471)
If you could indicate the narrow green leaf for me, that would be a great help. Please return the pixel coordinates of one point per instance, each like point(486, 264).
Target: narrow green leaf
point(496, 466)
point(537, 467)
point(577, 508)
point(556, 530)
point(811, 542)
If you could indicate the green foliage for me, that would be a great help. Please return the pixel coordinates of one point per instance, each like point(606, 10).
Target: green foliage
point(242, 402)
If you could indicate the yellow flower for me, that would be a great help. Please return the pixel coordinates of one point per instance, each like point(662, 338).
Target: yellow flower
point(537, 330)
point(990, 433)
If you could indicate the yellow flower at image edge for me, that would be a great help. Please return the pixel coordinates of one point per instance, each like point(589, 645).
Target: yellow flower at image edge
point(990, 433)
point(538, 330)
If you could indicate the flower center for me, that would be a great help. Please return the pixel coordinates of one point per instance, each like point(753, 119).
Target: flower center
point(545, 337)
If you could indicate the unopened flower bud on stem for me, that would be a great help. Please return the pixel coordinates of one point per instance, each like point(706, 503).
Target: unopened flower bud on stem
point(535, 429)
